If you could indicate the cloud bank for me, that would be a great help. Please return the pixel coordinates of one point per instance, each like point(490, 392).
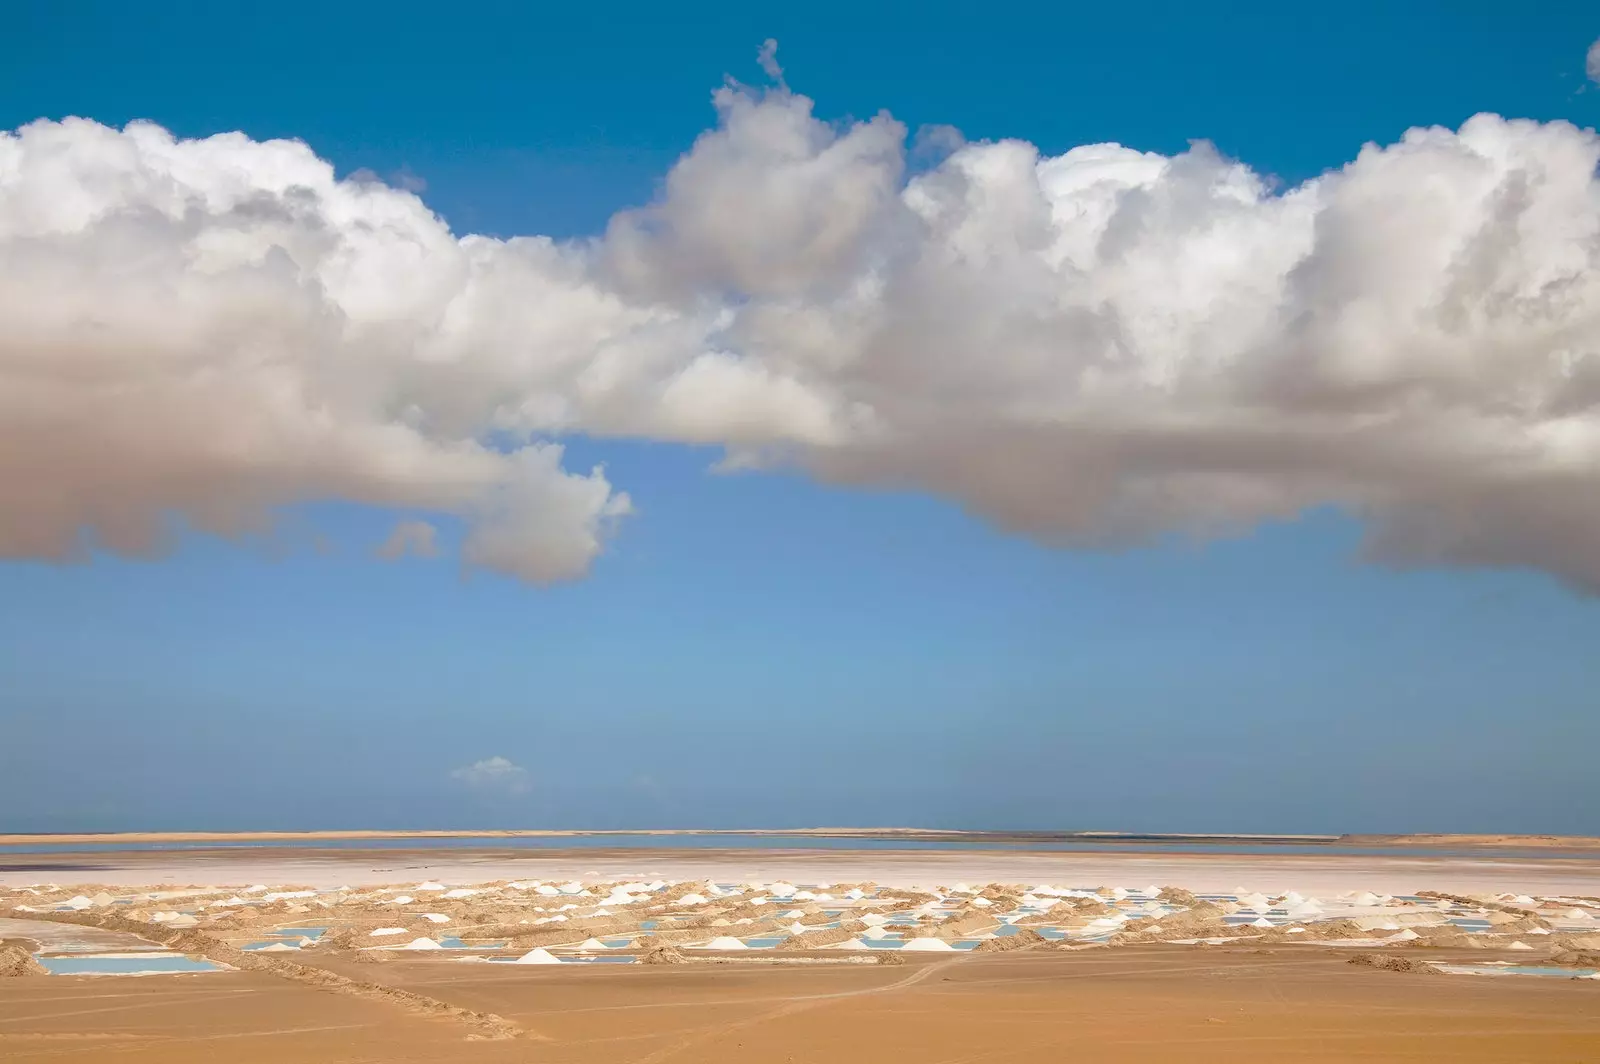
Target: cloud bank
point(1091, 349)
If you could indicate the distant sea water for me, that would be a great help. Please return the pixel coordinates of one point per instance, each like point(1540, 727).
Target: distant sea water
point(975, 842)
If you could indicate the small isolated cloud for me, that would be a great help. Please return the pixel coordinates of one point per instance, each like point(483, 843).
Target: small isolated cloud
point(767, 56)
point(494, 773)
point(1593, 65)
point(415, 538)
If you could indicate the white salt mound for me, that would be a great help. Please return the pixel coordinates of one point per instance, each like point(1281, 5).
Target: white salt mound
point(925, 945)
point(725, 942)
point(537, 956)
point(1519, 945)
point(438, 918)
point(592, 943)
point(387, 931)
point(422, 943)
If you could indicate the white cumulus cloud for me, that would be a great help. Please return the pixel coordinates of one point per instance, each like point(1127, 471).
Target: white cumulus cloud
point(1091, 349)
point(494, 773)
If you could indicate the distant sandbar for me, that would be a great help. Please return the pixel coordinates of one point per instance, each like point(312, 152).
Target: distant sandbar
point(1442, 841)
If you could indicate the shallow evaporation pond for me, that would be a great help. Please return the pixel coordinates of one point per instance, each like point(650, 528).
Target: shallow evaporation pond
point(1538, 970)
point(128, 964)
point(564, 960)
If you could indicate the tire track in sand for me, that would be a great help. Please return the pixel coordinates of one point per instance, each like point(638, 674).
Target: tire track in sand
point(483, 1025)
point(794, 1005)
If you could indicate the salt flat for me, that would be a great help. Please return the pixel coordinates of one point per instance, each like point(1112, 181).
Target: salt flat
point(792, 955)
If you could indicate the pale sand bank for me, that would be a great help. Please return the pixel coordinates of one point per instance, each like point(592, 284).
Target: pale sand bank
point(1580, 843)
point(329, 868)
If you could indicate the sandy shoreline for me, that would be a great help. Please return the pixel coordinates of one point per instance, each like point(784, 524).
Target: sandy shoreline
point(327, 868)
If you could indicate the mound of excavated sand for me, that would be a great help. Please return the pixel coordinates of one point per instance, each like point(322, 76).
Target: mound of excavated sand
point(1388, 963)
point(344, 938)
point(1326, 929)
point(371, 956)
point(815, 939)
point(890, 957)
point(1572, 958)
point(663, 954)
point(1024, 939)
point(1452, 939)
point(16, 961)
point(1202, 921)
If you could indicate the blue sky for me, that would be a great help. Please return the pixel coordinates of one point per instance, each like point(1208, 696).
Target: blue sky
point(760, 649)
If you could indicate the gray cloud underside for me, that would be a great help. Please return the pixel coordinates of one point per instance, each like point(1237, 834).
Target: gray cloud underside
point(1090, 349)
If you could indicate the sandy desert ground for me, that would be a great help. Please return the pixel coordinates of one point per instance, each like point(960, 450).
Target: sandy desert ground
point(795, 957)
point(1156, 1004)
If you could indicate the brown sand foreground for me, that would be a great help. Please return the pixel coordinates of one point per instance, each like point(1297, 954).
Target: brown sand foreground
point(328, 868)
point(1150, 1004)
